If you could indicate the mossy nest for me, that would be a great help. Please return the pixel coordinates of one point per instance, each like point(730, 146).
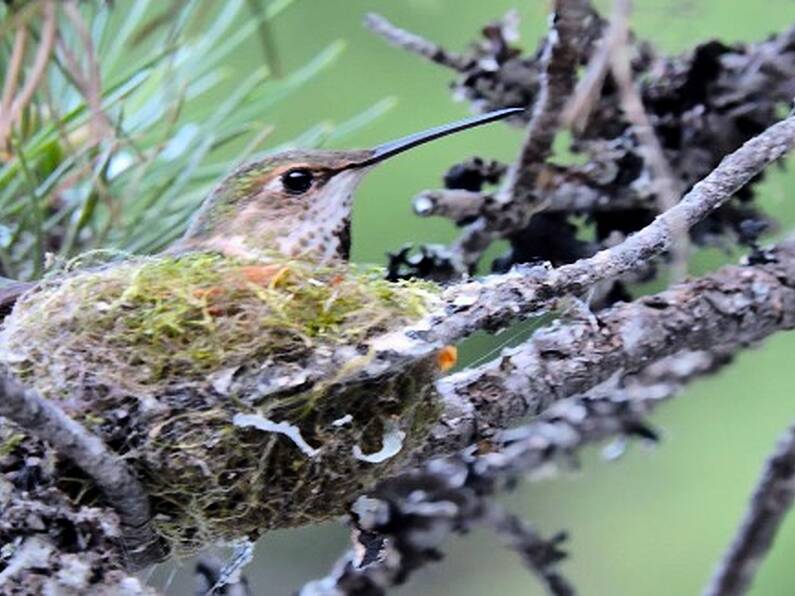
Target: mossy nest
point(163, 358)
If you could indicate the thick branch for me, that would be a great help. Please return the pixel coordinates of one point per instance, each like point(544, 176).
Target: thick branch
point(125, 493)
point(771, 501)
point(733, 307)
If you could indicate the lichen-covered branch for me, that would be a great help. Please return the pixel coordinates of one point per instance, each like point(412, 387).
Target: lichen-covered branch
point(569, 192)
point(59, 536)
point(701, 105)
point(413, 43)
point(122, 489)
point(584, 380)
point(559, 60)
point(604, 377)
point(770, 503)
point(493, 302)
point(736, 306)
point(664, 184)
point(518, 197)
point(403, 525)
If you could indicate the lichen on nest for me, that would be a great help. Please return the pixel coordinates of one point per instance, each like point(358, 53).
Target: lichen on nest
point(135, 350)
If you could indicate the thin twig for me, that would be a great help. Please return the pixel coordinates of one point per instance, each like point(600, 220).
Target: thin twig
point(770, 503)
point(124, 492)
point(569, 192)
point(560, 59)
point(517, 198)
point(539, 554)
point(89, 83)
point(586, 94)
point(456, 204)
point(413, 43)
point(15, 64)
point(664, 181)
point(36, 75)
point(227, 577)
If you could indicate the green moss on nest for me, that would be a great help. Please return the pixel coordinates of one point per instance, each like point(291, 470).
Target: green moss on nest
point(136, 349)
point(183, 318)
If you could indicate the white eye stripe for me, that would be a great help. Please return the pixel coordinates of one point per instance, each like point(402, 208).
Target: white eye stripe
point(274, 185)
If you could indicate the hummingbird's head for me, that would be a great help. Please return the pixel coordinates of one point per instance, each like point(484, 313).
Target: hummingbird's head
point(298, 203)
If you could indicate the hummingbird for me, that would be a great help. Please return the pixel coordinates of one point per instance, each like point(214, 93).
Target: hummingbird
point(165, 357)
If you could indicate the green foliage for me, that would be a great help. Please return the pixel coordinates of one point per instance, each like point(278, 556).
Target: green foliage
point(143, 324)
point(117, 147)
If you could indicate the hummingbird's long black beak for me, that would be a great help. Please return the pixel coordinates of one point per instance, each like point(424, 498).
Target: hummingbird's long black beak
point(387, 150)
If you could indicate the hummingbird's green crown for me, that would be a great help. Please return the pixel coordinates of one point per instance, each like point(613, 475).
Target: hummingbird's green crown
point(298, 203)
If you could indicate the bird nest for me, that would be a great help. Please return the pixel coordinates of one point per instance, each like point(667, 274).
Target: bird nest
point(164, 358)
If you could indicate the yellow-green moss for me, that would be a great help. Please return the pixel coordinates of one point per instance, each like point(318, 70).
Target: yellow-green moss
point(10, 443)
point(151, 320)
point(135, 349)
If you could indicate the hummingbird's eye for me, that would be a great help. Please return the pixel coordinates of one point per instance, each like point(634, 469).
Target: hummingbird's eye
point(297, 181)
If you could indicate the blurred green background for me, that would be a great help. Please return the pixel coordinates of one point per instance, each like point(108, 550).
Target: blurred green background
point(655, 521)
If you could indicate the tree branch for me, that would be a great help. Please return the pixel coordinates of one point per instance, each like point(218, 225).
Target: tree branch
point(124, 492)
point(412, 515)
point(733, 307)
point(569, 192)
point(608, 375)
point(771, 501)
point(411, 42)
point(740, 90)
point(664, 184)
point(517, 199)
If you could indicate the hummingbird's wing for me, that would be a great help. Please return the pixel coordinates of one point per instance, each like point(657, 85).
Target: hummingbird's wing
point(10, 291)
